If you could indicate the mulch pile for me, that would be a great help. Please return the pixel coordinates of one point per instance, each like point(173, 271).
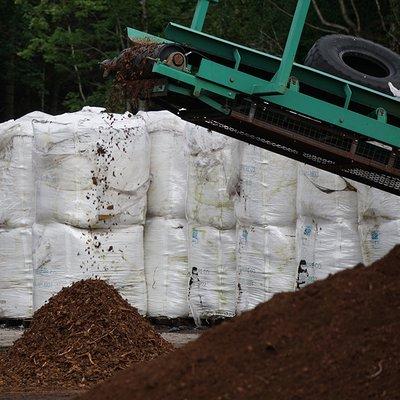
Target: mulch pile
point(81, 336)
point(336, 339)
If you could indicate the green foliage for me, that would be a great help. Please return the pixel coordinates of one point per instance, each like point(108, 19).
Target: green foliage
point(50, 49)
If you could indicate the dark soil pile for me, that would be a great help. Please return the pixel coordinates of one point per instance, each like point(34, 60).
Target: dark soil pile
point(83, 335)
point(336, 339)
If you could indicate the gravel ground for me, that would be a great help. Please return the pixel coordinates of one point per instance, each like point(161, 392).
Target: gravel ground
point(9, 335)
point(178, 339)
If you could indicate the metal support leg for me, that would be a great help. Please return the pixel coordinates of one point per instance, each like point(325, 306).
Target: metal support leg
point(200, 14)
point(281, 77)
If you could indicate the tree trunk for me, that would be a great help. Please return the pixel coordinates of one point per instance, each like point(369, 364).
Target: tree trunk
point(9, 89)
point(78, 76)
point(145, 22)
point(55, 96)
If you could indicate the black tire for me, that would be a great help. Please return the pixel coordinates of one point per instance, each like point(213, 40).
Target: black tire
point(357, 60)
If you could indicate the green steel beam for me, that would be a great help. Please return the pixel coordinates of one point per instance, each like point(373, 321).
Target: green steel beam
point(233, 79)
point(214, 83)
point(292, 99)
point(244, 83)
point(205, 99)
point(339, 116)
point(269, 63)
point(281, 77)
point(135, 35)
point(280, 80)
point(208, 44)
point(200, 14)
point(197, 83)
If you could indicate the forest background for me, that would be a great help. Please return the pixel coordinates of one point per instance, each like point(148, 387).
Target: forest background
point(50, 50)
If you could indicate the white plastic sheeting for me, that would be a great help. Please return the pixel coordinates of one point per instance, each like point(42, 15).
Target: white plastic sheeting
point(267, 188)
point(16, 172)
point(92, 169)
point(266, 263)
point(166, 267)
point(321, 194)
point(168, 165)
point(16, 277)
point(325, 247)
point(374, 203)
point(212, 172)
point(63, 254)
point(378, 237)
point(212, 266)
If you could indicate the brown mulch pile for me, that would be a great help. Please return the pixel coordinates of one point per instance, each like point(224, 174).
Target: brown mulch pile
point(336, 339)
point(81, 336)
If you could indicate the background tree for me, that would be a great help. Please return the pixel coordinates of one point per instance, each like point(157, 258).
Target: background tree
point(50, 49)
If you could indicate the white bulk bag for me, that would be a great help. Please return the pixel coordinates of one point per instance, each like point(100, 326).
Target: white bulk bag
point(325, 247)
point(266, 263)
point(92, 171)
point(324, 195)
point(17, 203)
point(157, 121)
point(267, 188)
point(166, 267)
point(378, 237)
point(63, 254)
point(212, 266)
point(168, 165)
point(212, 172)
point(374, 203)
point(34, 115)
point(16, 276)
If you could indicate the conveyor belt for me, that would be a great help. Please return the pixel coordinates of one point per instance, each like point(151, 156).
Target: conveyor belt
point(295, 136)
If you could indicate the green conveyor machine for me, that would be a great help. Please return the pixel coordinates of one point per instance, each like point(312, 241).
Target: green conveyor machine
point(291, 109)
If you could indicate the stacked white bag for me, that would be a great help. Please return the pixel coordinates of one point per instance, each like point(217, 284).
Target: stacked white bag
point(16, 276)
point(212, 173)
point(212, 262)
point(165, 240)
point(16, 217)
point(64, 254)
point(92, 169)
point(266, 210)
point(379, 217)
point(168, 165)
point(213, 165)
point(92, 176)
point(166, 267)
point(327, 238)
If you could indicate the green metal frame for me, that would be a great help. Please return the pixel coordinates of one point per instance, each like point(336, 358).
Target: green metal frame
point(200, 14)
point(280, 81)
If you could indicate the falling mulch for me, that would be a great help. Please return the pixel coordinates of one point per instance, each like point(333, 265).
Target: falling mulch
point(82, 336)
point(336, 339)
point(132, 70)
